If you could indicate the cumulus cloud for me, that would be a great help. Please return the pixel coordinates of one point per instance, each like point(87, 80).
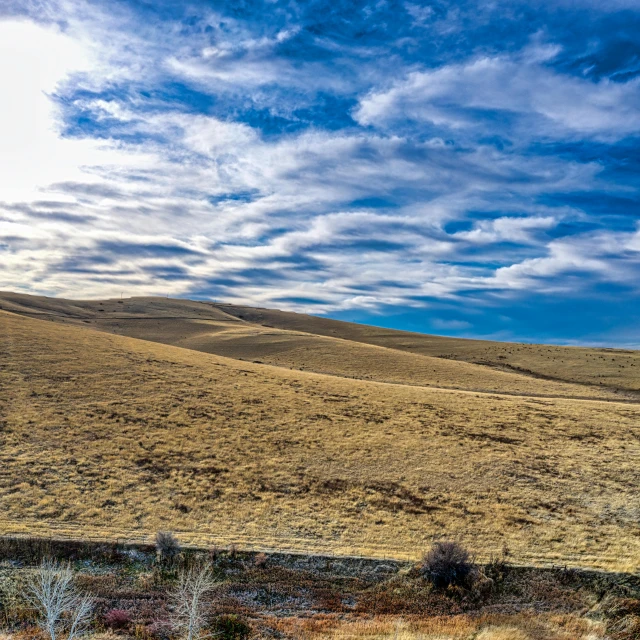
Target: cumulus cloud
point(34, 60)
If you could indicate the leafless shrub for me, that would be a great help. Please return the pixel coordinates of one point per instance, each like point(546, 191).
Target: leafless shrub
point(167, 545)
point(61, 606)
point(448, 563)
point(187, 600)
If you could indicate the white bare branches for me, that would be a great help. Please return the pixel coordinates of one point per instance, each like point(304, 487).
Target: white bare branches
point(188, 600)
point(52, 593)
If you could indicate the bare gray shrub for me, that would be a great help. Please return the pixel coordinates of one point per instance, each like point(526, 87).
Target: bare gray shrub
point(188, 600)
point(60, 605)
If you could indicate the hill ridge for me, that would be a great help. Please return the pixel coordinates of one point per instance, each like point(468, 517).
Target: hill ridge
point(309, 343)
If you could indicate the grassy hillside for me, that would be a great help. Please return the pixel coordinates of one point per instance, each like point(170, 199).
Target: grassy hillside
point(618, 369)
point(107, 435)
point(320, 345)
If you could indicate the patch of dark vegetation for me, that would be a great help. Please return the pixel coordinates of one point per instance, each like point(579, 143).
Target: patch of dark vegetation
point(494, 438)
point(394, 497)
point(32, 550)
point(254, 594)
point(230, 627)
point(407, 597)
point(333, 485)
point(167, 546)
point(387, 496)
point(157, 468)
point(447, 564)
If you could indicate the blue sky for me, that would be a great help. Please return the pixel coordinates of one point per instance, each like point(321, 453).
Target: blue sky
point(462, 168)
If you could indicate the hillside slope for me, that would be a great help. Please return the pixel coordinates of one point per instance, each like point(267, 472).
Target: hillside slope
point(354, 351)
point(104, 435)
point(617, 369)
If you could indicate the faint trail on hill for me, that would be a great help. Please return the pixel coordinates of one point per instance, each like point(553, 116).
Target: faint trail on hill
point(289, 545)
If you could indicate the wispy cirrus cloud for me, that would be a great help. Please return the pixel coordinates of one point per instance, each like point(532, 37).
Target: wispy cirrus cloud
point(523, 90)
point(403, 159)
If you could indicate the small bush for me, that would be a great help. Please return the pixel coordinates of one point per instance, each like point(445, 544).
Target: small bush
point(260, 560)
point(230, 627)
point(167, 545)
point(498, 568)
point(117, 619)
point(447, 564)
point(158, 630)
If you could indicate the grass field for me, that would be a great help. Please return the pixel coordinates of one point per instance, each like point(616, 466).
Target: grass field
point(616, 369)
point(107, 435)
point(461, 627)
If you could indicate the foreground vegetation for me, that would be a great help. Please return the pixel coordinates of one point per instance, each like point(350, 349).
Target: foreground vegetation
point(112, 437)
point(135, 592)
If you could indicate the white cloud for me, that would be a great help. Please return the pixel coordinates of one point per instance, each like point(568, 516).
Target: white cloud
point(506, 229)
point(299, 184)
point(605, 256)
point(34, 61)
point(451, 325)
point(31, 153)
point(522, 84)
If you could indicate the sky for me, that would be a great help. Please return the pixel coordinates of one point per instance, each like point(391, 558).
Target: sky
point(462, 168)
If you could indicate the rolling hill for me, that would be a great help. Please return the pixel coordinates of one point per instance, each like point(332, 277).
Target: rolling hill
point(119, 418)
point(322, 345)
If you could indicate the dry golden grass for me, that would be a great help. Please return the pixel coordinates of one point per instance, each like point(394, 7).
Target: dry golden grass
point(618, 369)
point(526, 626)
point(103, 435)
point(344, 358)
point(351, 351)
